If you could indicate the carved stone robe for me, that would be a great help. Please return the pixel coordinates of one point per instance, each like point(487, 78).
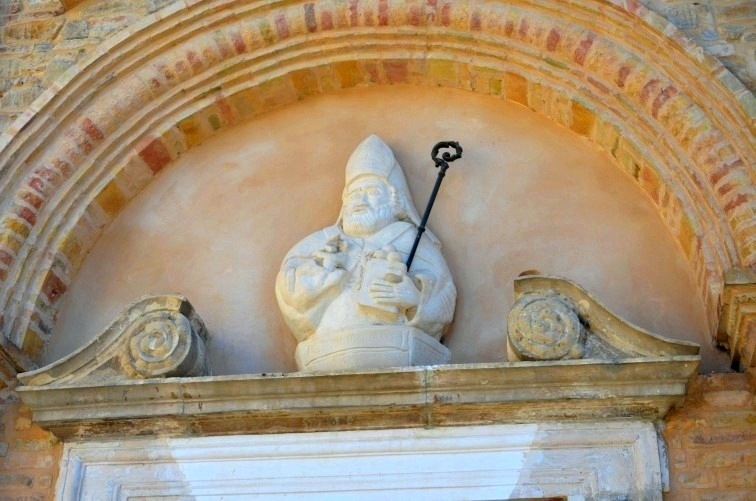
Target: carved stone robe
point(324, 311)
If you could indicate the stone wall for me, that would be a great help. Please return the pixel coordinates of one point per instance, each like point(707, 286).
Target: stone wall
point(40, 39)
point(712, 440)
point(29, 456)
point(724, 28)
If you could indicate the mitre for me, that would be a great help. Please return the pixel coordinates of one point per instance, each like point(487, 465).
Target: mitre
point(373, 157)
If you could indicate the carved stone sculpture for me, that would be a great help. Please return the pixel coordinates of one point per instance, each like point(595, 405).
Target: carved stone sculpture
point(555, 319)
point(154, 337)
point(345, 292)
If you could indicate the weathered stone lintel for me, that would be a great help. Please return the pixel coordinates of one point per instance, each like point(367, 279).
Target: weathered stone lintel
point(590, 460)
point(523, 392)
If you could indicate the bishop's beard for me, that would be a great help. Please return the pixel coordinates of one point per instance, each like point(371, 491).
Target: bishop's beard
point(369, 222)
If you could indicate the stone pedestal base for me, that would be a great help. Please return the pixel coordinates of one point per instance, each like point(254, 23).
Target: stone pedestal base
point(372, 347)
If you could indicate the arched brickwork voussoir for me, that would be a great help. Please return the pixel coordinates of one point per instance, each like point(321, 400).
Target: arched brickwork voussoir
point(676, 121)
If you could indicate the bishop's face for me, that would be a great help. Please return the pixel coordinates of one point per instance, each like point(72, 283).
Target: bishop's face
point(367, 207)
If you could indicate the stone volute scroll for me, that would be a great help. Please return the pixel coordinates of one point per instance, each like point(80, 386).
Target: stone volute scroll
point(555, 319)
point(345, 291)
point(156, 336)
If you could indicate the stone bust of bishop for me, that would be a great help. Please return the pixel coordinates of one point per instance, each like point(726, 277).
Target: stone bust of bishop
point(345, 292)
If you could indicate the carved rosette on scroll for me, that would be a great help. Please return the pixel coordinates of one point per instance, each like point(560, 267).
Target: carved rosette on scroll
point(154, 337)
point(166, 343)
point(545, 327)
point(555, 319)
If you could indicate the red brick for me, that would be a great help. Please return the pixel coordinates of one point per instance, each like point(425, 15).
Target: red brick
point(32, 199)
point(719, 458)
point(662, 98)
point(238, 42)
point(553, 39)
point(53, 287)
point(49, 175)
point(582, 49)
point(396, 71)
point(155, 155)
point(223, 45)
point(414, 15)
point(732, 398)
point(310, 22)
point(725, 189)
point(5, 257)
point(736, 202)
point(91, 130)
point(648, 90)
point(224, 109)
point(446, 14)
point(509, 27)
point(10, 480)
point(723, 436)
point(369, 21)
point(353, 13)
point(523, 29)
point(28, 215)
point(383, 13)
point(475, 23)
point(718, 495)
point(326, 20)
point(63, 167)
point(737, 477)
point(372, 70)
point(622, 75)
point(282, 27)
point(195, 61)
point(696, 479)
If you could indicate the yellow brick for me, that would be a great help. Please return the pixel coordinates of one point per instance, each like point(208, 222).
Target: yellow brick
point(192, 131)
point(348, 73)
point(516, 88)
point(276, 92)
point(111, 200)
point(686, 236)
point(16, 226)
point(7, 240)
point(582, 119)
point(33, 345)
point(442, 71)
point(71, 249)
point(305, 82)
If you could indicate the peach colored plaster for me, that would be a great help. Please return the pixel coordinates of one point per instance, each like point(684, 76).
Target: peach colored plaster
point(528, 194)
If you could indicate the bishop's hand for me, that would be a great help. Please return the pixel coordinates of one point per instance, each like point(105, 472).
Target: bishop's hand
point(396, 289)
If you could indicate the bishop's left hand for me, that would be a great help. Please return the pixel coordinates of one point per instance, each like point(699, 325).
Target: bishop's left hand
point(396, 289)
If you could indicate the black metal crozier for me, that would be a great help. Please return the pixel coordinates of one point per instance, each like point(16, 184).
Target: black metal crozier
point(442, 163)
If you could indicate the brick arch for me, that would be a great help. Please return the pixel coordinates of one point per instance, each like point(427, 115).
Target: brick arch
point(614, 73)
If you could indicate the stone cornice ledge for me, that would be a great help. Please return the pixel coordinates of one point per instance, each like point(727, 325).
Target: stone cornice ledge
point(521, 392)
